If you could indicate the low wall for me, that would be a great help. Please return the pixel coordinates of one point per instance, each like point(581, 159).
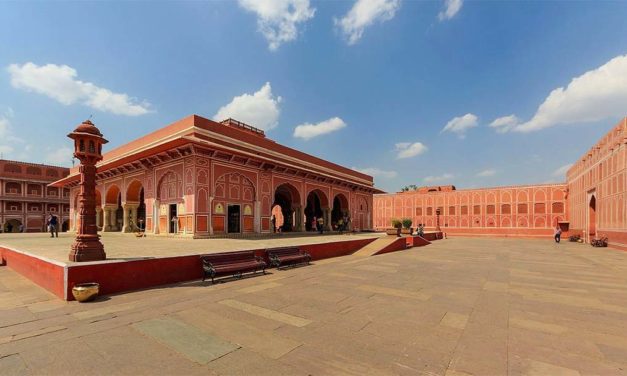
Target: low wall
point(127, 275)
point(501, 232)
point(416, 241)
point(46, 273)
point(398, 245)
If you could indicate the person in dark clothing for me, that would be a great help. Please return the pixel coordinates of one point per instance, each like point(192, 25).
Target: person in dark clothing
point(558, 234)
point(53, 224)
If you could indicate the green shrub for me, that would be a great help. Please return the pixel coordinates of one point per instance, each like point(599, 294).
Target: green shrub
point(396, 223)
point(406, 222)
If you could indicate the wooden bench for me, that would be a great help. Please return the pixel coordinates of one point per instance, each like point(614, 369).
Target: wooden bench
point(287, 256)
point(231, 263)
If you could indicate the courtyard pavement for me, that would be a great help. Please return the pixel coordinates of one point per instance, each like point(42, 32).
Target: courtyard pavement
point(120, 246)
point(462, 306)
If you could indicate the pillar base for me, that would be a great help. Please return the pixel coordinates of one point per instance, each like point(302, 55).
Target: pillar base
point(87, 248)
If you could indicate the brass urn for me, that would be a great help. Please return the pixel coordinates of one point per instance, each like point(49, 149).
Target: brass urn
point(84, 292)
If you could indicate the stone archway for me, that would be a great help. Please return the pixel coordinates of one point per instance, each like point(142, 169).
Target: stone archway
point(592, 217)
point(317, 206)
point(12, 225)
point(286, 208)
point(134, 208)
point(113, 213)
point(340, 209)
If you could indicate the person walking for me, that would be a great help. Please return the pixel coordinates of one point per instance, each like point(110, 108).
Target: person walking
point(273, 221)
point(558, 234)
point(320, 225)
point(53, 225)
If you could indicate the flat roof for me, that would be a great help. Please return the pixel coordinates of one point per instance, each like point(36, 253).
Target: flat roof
point(199, 130)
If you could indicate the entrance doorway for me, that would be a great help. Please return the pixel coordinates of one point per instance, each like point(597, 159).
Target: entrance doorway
point(174, 221)
point(234, 219)
point(592, 218)
point(313, 210)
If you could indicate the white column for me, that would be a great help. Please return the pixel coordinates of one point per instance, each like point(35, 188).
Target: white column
point(126, 214)
point(98, 222)
point(106, 226)
point(210, 213)
point(257, 220)
point(155, 217)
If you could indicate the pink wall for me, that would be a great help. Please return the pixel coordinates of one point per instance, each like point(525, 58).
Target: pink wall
point(44, 273)
point(531, 210)
point(601, 174)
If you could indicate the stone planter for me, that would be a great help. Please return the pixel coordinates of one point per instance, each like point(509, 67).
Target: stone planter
point(407, 231)
point(84, 292)
point(393, 231)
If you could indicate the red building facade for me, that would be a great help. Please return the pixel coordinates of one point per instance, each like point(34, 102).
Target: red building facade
point(529, 211)
point(26, 199)
point(597, 183)
point(201, 178)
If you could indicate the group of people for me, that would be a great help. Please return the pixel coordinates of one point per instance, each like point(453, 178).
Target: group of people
point(343, 223)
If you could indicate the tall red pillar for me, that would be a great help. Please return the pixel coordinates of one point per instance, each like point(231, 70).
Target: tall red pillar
point(88, 143)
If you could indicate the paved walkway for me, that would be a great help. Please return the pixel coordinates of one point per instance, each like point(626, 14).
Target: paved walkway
point(127, 246)
point(457, 307)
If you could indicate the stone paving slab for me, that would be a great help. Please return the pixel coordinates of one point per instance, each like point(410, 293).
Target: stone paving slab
point(186, 339)
point(458, 307)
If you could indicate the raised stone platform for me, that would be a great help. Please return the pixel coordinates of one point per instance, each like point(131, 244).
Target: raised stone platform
point(135, 263)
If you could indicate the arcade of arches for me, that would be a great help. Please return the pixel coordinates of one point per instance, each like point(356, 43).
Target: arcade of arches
point(192, 185)
point(26, 200)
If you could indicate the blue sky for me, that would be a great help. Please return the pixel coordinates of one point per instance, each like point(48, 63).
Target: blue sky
point(405, 90)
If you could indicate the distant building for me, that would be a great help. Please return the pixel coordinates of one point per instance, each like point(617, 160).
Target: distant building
point(26, 199)
point(591, 203)
point(200, 177)
point(525, 210)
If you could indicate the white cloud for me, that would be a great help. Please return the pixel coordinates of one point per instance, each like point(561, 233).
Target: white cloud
point(260, 109)
point(59, 82)
point(277, 19)
point(451, 8)
point(364, 13)
point(439, 178)
point(376, 172)
point(4, 128)
point(8, 140)
point(408, 149)
point(60, 157)
point(505, 124)
point(486, 173)
point(459, 125)
point(595, 95)
point(561, 172)
point(307, 131)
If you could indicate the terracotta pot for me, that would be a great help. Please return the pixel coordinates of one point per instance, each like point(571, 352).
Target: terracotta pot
point(84, 292)
point(407, 231)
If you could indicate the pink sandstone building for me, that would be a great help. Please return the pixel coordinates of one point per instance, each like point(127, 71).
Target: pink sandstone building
point(590, 203)
point(26, 199)
point(597, 185)
point(202, 178)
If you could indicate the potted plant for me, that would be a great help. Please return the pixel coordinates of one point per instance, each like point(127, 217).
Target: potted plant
point(407, 229)
point(396, 227)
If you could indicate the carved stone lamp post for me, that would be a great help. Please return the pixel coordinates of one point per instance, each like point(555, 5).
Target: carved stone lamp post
point(437, 220)
point(88, 143)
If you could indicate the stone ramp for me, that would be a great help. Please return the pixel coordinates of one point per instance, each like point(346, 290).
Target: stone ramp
point(379, 245)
